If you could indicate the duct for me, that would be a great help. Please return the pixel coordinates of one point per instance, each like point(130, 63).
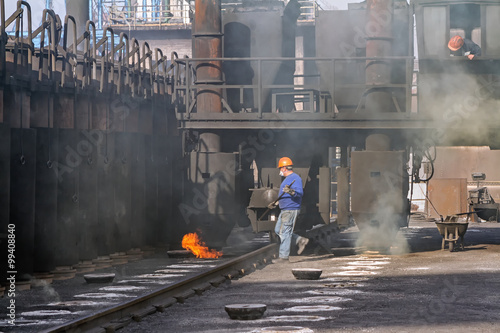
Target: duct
point(207, 38)
point(378, 45)
point(79, 9)
point(207, 43)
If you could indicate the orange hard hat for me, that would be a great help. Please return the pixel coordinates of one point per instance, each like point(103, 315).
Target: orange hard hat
point(284, 161)
point(455, 43)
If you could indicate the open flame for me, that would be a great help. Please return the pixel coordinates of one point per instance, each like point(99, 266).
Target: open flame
point(193, 243)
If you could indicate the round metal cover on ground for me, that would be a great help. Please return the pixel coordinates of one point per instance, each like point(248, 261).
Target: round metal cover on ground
point(306, 273)
point(63, 273)
point(245, 311)
point(99, 278)
point(281, 329)
point(180, 254)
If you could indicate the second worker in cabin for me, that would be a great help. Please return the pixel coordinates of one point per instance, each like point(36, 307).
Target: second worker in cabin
point(290, 195)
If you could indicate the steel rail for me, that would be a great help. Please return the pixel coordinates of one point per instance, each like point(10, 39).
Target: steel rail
point(123, 313)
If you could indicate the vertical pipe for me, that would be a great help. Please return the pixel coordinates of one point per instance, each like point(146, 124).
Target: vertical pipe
point(378, 45)
point(79, 9)
point(207, 34)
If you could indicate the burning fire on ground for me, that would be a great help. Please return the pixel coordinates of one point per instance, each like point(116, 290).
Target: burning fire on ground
point(193, 243)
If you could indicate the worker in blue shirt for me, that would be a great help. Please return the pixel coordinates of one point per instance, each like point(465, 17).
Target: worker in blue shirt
point(290, 195)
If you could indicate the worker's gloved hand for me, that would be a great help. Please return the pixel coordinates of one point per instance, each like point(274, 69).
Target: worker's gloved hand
point(288, 190)
point(272, 205)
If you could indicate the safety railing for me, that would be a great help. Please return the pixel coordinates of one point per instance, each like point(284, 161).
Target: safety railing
point(308, 11)
point(170, 14)
point(72, 59)
point(256, 93)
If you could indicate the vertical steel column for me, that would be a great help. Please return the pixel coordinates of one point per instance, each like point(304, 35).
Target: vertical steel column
point(378, 44)
point(207, 36)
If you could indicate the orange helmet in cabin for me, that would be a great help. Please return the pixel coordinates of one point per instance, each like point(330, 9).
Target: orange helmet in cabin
point(455, 43)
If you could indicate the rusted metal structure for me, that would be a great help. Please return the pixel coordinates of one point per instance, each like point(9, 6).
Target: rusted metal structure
point(109, 144)
point(87, 143)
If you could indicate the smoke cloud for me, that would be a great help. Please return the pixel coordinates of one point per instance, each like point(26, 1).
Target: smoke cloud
point(381, 233)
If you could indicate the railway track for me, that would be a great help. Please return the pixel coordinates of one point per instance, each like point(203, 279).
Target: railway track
point(120, 315)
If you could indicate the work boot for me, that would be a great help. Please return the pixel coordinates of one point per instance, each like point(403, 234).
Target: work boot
point(301, 243)
point(281, 261)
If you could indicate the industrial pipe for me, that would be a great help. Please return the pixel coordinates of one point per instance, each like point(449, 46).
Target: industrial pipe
point(378, 44)
point(207, 34)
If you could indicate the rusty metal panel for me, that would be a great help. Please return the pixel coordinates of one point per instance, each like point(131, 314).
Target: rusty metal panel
point(46, 199)
point(67, 227)
point(106, 239)
point(122, 186)
point(87, 197)
point(22, 196)
point(151, 192)
point(138, 181)
point(448, 195)
point(379, 187)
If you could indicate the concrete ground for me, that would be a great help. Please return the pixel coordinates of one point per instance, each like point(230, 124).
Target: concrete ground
point(417, 288)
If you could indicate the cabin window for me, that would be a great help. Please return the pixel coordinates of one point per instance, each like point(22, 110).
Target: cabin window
point(465, 21)
point(435, 31)
point(492, 29)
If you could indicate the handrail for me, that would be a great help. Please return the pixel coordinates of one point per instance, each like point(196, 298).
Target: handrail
point(145, 55)
point(66, 49)
point(123, 46)
point(47, 13)
point(150, 15)
point(89, 54)
point(136, 65)
point(105, 55)
point(19, 40)
point(30, 37)
point(190, 87)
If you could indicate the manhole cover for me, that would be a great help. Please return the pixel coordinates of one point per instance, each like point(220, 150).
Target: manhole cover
point(306, 273)
point(245, 311)
point(99, 278)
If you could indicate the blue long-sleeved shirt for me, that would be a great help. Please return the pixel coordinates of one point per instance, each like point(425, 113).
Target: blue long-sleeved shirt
point(288, 202)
